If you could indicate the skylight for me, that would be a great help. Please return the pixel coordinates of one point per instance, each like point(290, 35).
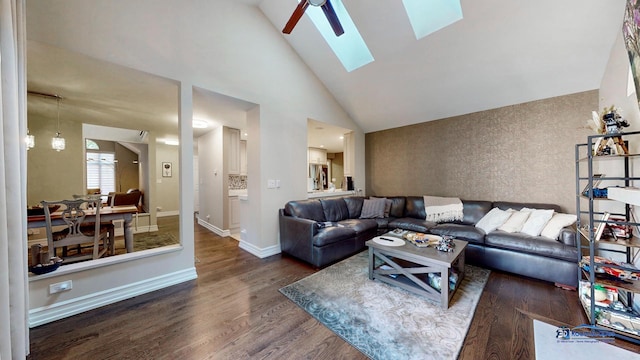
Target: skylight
point(429, 16)
point(350, 48)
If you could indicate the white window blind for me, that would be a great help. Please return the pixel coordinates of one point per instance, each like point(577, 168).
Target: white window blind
point(101, 171)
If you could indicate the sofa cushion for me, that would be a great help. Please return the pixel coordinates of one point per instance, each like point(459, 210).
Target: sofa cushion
point(506, 205)
point(412, 224)
point(397, 206)
point(493, 220)
point(354, 204)
point(334, 209)
point(383, 223)
point(536, 222)
point(468, 233)
point(474, 210)
point(360, 225)
point(414, 207)
point(556, 224)
point(373, 208)
point(516, 221)
point(536, 245)
point(333, 234)
point(387, 205)
point(307, 209)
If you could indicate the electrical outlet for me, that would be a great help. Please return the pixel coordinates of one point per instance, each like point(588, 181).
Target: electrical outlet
point(60, 287)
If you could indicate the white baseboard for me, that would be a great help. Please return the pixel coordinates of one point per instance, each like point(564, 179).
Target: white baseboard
point(168, 213)
point(214, 229)
point(250, 248)
point(57, 311)
point(260, 252)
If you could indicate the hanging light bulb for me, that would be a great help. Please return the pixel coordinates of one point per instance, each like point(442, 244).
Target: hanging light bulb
point(58, 143)
point(30, 140)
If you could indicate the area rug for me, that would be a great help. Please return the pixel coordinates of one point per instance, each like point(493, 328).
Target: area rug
point(152, 240)
point(383, 321)
point(552, 342)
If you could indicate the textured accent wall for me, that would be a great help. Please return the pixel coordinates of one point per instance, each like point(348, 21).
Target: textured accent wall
point(522, 152)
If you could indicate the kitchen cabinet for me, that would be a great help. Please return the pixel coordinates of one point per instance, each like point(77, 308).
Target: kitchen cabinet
point(243, 157)
point(233, 151)
point(317, 156)
point(348, 154)
point(234, 212)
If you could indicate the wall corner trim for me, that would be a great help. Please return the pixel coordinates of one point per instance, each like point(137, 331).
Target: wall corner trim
point(214, 229)
point(260, 252)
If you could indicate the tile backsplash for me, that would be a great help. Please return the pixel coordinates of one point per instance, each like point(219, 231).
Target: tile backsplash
point(237, 182)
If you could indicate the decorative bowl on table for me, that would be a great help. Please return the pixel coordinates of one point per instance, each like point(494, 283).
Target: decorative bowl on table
point(52, 265)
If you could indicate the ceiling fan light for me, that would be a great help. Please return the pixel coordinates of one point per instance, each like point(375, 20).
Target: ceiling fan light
point(317, 2)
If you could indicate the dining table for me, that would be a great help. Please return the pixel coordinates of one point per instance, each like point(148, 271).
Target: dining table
point(107, 213)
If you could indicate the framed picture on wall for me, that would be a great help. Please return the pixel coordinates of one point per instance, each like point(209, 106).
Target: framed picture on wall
point(166, 169)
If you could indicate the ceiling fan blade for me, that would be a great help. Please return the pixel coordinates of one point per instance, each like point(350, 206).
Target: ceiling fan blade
point(295, 17)
point(331, 15)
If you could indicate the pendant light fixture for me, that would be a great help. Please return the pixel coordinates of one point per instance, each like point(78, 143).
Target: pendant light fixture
point(30, 140)
point(57, 142)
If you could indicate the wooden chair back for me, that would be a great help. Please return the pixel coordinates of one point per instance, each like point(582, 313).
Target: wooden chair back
point(77, 227)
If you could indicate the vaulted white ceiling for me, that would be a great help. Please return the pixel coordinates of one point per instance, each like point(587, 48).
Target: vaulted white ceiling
point(502, 52)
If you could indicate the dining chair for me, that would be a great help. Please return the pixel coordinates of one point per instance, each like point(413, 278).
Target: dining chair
point(81, 226)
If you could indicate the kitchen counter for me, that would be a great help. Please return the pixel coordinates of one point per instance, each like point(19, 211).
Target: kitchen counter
point(240, 193)
point(326, 193)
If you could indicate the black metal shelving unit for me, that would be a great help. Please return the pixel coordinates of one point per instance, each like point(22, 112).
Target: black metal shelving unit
point(588, 245)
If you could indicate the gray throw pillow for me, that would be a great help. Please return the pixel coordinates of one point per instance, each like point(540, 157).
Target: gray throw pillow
point(387, 205)
point(373, 208)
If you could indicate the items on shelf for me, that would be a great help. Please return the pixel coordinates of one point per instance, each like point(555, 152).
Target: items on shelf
point(622, 274)
point(434, 280)
point(617, 230)
point(609, 122)
point(608, 288)
point(421, 240)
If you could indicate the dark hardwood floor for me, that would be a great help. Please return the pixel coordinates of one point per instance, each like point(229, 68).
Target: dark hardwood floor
point(234, 311)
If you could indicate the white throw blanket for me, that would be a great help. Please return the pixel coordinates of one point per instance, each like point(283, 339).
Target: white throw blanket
point(443, 209)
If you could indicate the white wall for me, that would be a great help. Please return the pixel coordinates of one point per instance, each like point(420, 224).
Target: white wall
point(221, 46)
point(167, 189)
point(211, 179)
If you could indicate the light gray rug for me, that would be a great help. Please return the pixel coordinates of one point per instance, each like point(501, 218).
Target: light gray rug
point(383, 321)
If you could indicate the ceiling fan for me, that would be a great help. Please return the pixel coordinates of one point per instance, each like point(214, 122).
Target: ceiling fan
point(328, 10)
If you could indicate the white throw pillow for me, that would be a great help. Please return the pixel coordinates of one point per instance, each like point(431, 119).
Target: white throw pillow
point(515, 222)
point(536, 222)
point(555, 225)
point(493, 219)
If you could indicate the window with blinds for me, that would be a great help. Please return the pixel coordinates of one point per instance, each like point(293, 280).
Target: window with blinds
point(101, 171)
